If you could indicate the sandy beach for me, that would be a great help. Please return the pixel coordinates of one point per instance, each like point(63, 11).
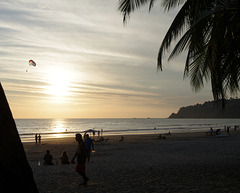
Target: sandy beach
point(189, 162)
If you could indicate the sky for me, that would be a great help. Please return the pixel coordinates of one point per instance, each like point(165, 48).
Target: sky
point(89, 64)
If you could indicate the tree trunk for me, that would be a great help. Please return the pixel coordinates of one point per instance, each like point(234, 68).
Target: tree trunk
point(15, 171)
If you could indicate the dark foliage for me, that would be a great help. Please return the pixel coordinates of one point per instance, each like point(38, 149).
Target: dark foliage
point(210, 109)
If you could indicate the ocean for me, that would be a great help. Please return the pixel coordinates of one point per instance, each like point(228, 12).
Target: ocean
point(52, 128)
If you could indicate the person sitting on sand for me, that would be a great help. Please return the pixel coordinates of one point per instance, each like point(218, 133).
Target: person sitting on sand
point(101, 140)
point(64, 158)
point(121, 139)
point(81, 158)
point(48, 158)
point(161, 137)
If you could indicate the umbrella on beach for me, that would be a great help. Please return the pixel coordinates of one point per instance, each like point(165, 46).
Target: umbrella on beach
point(90, 131)
point(93, 131)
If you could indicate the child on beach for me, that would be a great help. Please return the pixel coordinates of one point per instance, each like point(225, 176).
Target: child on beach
point(81, 158)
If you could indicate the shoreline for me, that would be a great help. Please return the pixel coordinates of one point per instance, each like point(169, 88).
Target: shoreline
point(62, 136)
point(48, 137)
point(49, 129)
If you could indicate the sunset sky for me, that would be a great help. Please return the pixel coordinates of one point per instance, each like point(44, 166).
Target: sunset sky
point(89, 64)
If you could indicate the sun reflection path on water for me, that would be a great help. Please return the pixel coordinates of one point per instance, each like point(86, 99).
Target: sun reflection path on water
point(59, 128)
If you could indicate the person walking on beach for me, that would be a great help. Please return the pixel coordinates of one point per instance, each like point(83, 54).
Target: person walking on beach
point(81, 158)
point(89, 146)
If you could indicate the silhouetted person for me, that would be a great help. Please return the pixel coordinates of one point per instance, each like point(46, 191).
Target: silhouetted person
point(218, 131)
point(39, 138)
point(211, 130)
point(36, 138)
point(81, 158)
point(121, 138)
point(228, 128)
point(64, 158)
point(48, 158)
point(89, 146)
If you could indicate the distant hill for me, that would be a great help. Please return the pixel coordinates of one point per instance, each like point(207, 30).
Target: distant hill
point(210, 110)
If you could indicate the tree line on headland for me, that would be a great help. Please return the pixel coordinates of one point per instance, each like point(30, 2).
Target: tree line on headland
point(210, 109)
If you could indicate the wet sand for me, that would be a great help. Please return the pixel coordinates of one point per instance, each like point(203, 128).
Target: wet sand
point(180, 163)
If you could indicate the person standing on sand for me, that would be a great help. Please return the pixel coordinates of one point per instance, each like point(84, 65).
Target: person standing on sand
point(36, 138)
point(89, 146)
point(39, 138)
point(81, 158)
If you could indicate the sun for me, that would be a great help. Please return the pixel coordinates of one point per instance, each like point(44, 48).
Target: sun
point(59, 83)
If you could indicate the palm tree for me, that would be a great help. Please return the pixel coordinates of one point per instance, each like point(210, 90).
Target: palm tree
point(16, 174)
point(211, 37)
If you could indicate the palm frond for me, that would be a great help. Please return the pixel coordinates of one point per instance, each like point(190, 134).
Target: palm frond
point(210, 31)
point(171, 4)
point(174, 31)
point(151, 4)
point(128, 6)
point(181, 45)
point(185, 18)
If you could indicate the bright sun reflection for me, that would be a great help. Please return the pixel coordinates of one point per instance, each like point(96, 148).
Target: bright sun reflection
point(58, 127)
point(59, 81)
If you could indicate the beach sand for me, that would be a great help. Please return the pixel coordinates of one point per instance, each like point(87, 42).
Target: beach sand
point(181, 163)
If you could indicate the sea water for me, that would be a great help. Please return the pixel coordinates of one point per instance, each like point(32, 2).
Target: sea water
point(27, 128)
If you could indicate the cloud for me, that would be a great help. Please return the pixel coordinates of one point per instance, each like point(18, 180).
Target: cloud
point(109, 62)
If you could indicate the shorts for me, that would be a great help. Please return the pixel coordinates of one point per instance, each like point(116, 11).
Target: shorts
point(80, 168)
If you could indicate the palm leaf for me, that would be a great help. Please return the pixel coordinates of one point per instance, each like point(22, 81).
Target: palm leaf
point(171, 4)
point(175, 30)
point(129, 6)
point(210, 31)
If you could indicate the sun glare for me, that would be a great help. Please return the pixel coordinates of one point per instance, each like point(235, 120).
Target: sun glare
point(59, 81)
point(58, 127)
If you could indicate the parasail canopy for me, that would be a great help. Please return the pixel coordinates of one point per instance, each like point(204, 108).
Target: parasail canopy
point(32, 63)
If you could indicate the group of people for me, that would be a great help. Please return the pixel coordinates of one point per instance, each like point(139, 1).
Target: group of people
point(48, 158)
point(84, 148)
point(218, 131)
point(38, 138)
point(100, 133)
